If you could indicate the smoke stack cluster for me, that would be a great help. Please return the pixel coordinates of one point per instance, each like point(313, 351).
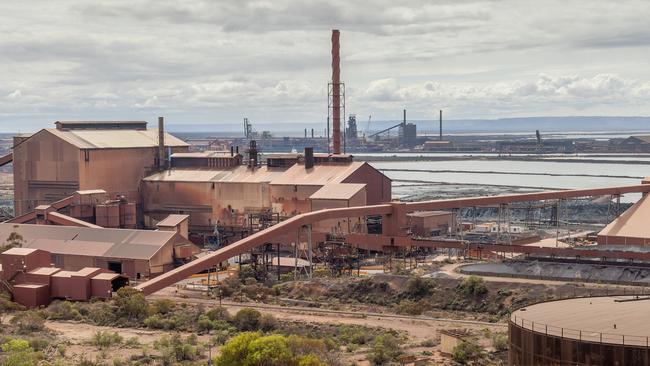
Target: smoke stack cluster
point(336, 92)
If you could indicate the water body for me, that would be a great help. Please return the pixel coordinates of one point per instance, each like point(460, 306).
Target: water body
point(533, 175)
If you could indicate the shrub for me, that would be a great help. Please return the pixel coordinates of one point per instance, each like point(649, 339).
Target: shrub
point(236, 350)
point(385, 349)
point(19, 353)
point(131, 304)
point(473, 286)
point(28, 322)
point(500, 341)
point(408, 307)
point(247, 319)
point(310, 360)
point(176, 349)
point(417, 287)
point(162, 306)
point(430, 342)
point(63, 310)
point(103, 340)
point(268, 322)
point(218, 313)
point(271, 350)
point(466, 351)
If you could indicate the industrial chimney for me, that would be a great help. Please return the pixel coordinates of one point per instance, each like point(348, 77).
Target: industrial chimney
point(161, 143)
point(309, 157)
point(336, 93)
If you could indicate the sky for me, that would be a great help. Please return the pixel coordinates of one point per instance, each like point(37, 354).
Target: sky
point(217, 61)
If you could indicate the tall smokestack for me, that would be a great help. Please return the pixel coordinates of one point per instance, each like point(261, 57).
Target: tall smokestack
point(336, 93)
point(404, 120)
point(440, 137)
point(161, 143)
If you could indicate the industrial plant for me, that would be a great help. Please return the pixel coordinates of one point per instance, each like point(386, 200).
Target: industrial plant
point(103, 205)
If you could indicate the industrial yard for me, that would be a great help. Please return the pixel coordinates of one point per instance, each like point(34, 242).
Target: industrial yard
point(231, 205)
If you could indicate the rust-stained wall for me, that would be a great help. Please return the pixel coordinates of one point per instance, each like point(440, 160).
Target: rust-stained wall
point(344, 225)
point(205, 202)
point(534, 348)
point(378, 186)
point(46, 169)
point(292, 199)
point(118, 171)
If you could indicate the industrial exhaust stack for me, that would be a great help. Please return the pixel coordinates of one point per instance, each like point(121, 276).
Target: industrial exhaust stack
point(309, 157)
point(336, 92)
point(161, 143)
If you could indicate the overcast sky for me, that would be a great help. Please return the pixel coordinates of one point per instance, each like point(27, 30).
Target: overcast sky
point(217, 61)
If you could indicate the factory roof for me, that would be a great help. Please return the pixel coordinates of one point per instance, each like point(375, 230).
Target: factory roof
point(318, 175)
point(239, 174)
point(632, 223)
point(172, 220)
point(71, 240)
point(114, 139)
point(106, 276)
point(17, 251)
point(337, 191)
point(47, 271)
point(587, 318)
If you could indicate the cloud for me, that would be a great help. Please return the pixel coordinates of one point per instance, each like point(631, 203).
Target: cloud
point(207, 60)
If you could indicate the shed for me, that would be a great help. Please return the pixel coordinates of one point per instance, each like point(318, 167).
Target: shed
point(451, 338)
point(32, 295)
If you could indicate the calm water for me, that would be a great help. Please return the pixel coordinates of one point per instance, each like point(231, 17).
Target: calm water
point(620, 173)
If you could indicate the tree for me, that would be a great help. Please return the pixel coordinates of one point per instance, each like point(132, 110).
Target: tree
point(235, 351)
point(247, 319)
point(473, 286)
point(131, 303)
point(14, 240)
point(271, 350)
point(386, 348)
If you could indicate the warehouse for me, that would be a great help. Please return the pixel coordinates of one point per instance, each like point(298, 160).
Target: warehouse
point(114, 156)
point(134, 253)
point(224, 197)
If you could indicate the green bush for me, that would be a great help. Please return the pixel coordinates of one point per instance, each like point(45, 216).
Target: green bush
point(247, 319)
point(500, 341)
point(236, 349)
point(17, 352)
point(466, 351)
point(253, 349)
point(218, 313)
point(131, 304)
point(385, 348)
point(268, 322)
point(418, 287)
point(28, 322)
point(162, 306)
point(176, 349)
point(104, 340)
point(63, 310)
point(473, 286)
